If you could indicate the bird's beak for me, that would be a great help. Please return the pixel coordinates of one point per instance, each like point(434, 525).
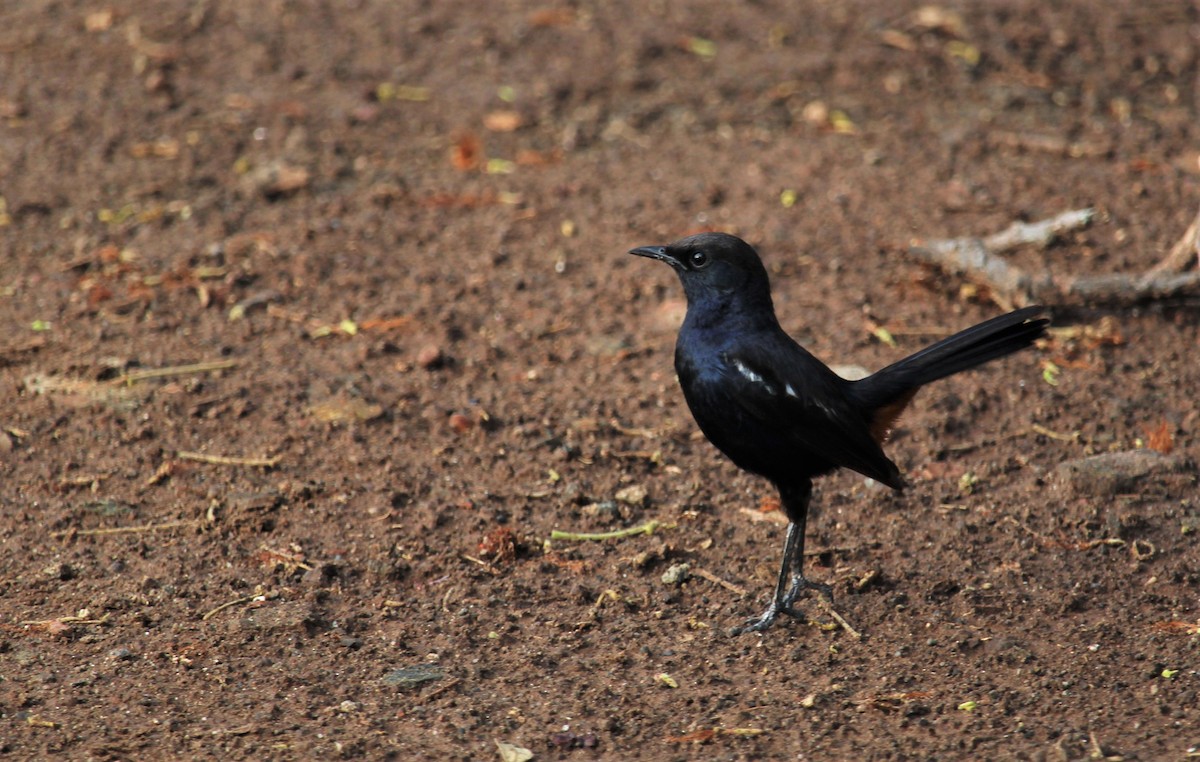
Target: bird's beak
point(654, 252)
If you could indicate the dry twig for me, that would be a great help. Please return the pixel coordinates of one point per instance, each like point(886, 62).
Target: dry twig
point(130, 530)
point(229, 460)
point(731, 587)
point(979, 259)
point(829, 609)
point(144, 374)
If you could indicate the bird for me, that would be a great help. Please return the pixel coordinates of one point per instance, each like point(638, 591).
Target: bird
point(776, 410)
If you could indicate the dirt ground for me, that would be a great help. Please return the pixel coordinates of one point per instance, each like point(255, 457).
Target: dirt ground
point(319, 322)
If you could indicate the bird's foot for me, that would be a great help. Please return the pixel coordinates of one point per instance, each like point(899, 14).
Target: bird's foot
point(783, 605)
point(800, 584)
point(764, 622)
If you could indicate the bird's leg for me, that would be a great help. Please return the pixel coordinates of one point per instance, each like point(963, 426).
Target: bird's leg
point(795, 504)
point(791, 581)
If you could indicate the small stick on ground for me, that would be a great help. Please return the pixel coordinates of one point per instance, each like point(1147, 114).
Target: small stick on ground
point(229, 460)
point(616, 534)
point(129, 530)
point(731, 587)
point(64, 620)
point(1039, 429)
point(487, 567)
point(437, 691)
point(1181, 256)
point(133, 376)
point(979, 259)
point(1081, 545)
point(230, 604)
point(831, 611)
point(289, 559)
point(259, 594)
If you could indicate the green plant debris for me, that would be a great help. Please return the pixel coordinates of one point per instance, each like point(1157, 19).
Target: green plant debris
point(884, 335)
point(841, 123)
point(706, 49)
point(500, 167)
point(1050, 373)
point(616, 534)
point(389, 91)
point(967, 482)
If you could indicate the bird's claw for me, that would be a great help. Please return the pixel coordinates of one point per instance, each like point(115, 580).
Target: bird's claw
point(802, 584)
point(764, 622)
point(783, 605)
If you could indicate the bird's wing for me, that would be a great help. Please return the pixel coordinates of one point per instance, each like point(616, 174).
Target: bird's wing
point(792, 392)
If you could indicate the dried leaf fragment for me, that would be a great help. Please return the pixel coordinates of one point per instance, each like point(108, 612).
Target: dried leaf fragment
point(467, 152)
point(549, 17)
point(505, 120)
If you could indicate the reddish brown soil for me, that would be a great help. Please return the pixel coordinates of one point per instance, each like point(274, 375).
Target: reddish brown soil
point(302, 189)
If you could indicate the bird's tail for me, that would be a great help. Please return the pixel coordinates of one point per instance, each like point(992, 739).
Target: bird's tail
point(888, 391)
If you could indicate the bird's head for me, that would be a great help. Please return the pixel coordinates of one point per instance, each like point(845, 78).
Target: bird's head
point(716, 269)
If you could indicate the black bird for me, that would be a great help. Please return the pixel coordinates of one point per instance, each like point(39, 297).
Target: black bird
point(777, 411)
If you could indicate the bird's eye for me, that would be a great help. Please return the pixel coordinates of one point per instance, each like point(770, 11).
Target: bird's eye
point(698, 259)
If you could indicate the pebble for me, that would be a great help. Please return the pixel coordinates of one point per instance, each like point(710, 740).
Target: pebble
point(62, 572)
point(634, 495)
point(677, 574)
point(605, 509)
point(430, 356)
point(1118, 473)
point(461, 423)
point(409, 677)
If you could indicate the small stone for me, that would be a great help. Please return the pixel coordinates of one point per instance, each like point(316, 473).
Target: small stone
point(281, 617)
point(677, 574)
point(120, 654)
point(430, 356)
point(62, 572)
point(634, 495)
point(605, 509)
point(461, 423)
point(279, 178)
point(410, 677)
point(1121, 473)
point(347, 706)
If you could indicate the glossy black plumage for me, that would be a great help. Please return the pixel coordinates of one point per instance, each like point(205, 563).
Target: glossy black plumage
point(776, 410)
